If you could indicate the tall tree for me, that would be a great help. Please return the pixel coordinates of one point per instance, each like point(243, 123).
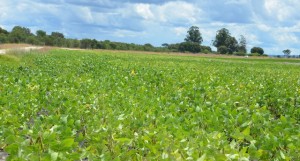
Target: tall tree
point(194, 35)
point(231, 44)
point(19, 34)
point(224, 39)
point(3, 31)
point(3, 35)
point(57, 38)
point(222, 49)
point(221, 37)
point(242, 44)
point(41, 37)
point(57, 35)
point(3, 38)
point(41, 33)
point(287, 52)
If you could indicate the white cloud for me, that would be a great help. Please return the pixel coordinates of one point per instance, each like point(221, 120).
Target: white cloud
point(126, 33)
point(237, 1)
point(144, 11)
point(178, 11)
point(263, 27)
point(180, 31)
point(85, 14)
point(282, 10)
point(169, 12)
point(285, 38)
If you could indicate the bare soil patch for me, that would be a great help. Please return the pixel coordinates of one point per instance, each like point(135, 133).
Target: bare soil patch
point(13, 46)
point(6, 48)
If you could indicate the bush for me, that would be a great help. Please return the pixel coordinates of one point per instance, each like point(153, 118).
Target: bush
point(222, 49)
point(206, 49)
point(240, 53)
point(206, 52)
point(258, 50)
point(254, 54)
point(189, 47)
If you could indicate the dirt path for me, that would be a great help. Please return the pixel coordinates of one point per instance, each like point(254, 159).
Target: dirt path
point(26, 49)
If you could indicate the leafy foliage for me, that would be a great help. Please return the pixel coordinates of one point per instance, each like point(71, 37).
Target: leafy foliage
point(189, 47)
point(287, 52)
point(194, 35)
point(224, 39)
point(258, 50)
point(222, 49)
point(73, 105)
point(242, 47)
point(19, 34)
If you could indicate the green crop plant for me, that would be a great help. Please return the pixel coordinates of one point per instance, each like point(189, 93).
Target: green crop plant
point(102, 105)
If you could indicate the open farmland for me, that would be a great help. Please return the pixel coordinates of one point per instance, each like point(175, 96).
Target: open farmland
point(72, 105)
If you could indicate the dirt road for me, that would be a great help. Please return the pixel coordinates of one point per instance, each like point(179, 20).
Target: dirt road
point(26, 49)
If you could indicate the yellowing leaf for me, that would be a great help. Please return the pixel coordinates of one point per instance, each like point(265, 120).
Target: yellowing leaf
point(246, 132)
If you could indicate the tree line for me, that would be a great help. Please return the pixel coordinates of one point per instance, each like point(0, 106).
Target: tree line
point(24, 35)
point(224, 42)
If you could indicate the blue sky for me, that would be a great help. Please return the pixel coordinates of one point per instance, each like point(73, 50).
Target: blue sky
point(271, 24)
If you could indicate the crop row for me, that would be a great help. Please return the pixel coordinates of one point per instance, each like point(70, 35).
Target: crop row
point(72, 105)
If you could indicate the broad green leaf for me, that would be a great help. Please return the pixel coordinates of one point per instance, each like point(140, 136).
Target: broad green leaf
point(246, 132)
point(54, 156)
point(67, 142)
point(202, 158)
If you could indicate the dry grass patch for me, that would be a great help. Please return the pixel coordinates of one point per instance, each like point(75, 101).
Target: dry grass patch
point(10, 46)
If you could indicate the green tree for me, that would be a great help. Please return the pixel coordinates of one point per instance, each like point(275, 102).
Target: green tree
point(231, 44)
point(41, 33)
point(32, 40)
point(174, 47)
point(3, 31)
point(3, 38)
point(57, 39)
point(221, 37)
point(222, 49)
point(206, 49)
point(189, 47)
point(41, 37)
point(57, 35)
point(242, 45)
point(165, 45)
point(287, 52)
point(257, 50)
point(86, 44)
point(148, 47)
point(194, 35)
point(106, 44)
point(19, 34)
point(113, 45)
point(224, 38)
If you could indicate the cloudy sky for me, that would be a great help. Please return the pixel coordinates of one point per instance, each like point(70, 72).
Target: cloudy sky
point(271, 24)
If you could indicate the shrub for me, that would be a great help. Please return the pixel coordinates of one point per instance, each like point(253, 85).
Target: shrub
point(240, 53)
point(190, 47)
point(222, 49)
point(254, 54)
point(206, 49)
point(258, 50)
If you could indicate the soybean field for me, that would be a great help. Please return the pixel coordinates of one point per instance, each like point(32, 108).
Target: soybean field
point(110, 105)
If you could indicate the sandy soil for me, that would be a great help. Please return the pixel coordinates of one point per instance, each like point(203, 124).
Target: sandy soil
point(4, 48)
point(9, 46)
